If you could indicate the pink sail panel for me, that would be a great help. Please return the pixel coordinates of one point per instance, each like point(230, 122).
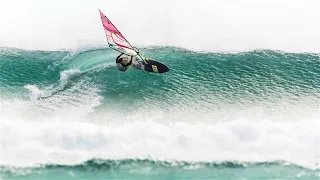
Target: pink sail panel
point(108, 25)
point(115, 39)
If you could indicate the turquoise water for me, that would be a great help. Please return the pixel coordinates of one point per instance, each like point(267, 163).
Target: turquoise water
point(250, 115)
point(148, 169)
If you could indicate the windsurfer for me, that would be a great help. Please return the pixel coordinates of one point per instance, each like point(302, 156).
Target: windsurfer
point(124, 61)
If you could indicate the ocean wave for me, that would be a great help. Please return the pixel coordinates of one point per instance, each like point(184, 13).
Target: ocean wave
point(64, 107)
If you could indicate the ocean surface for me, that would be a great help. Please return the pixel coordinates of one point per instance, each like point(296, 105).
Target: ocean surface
point(73, 115)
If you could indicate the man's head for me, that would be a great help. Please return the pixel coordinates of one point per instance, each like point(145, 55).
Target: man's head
point(124, 61)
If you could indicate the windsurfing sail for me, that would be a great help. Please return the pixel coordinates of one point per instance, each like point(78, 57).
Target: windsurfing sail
point(115, 39)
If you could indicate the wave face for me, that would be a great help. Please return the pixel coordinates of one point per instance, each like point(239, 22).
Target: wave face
point(62, 110)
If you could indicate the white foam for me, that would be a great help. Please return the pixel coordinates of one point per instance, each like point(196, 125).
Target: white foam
point(70, 139)
point(68, 128)
point(67, 74)
point(34, 91)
